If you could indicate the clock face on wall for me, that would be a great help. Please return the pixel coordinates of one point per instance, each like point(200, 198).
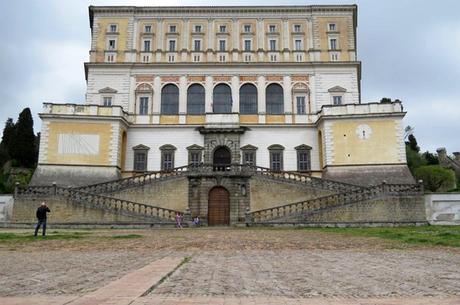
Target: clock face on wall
point(364, 131)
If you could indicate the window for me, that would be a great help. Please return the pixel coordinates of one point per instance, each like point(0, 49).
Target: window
point(247, 28)
point(197, 45)
point(197, 28)
point(249, 157)
point(113, 28)
point(272, 28)
point(337, 100)
point(272, 45)
point(145, 58)
point(298, 57)
point(195, 99)
point(172, 29)
point(170, 100)
point(112, 44)
point(275, 99)
point(222, 99)
point(247, 45)
point(222, 58)
point(273, 57)
point(300, 104)
point(110, 58)
point(147, 45)
point(247, 57)
point(167, 157)
point(332, 27)
point(172, 46)
point(276, 157)
point(333, 43)
point(223, 28)
point(148, 29)
point(334, 56)
point(107, 101)
point(196, 58)
point(298, 44)
point(296, 28)
point(143, 105)
point(194, 154)
point(303, 158)
point(222, 45)
point(248, 99)
point(140, 158)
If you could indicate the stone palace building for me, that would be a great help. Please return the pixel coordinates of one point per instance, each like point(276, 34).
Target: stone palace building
point(273, 87)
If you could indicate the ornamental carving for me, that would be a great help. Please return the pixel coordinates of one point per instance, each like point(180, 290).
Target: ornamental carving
point(248, 78)
point(144, 78)
point(300, 86)
point(170, 79)
point(299, 78)
point(222, 78)
point(274, 78)
point(144, 88)
point(196, 78)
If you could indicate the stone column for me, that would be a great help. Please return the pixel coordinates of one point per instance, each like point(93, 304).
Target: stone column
point(185, 38)
point(156, 100)
point(236, 94)
point(260, 39)
point(132, 95)
point(182, 99)
point(208, 94)
point(287, 95)
point(160, 36)
point(236, 39)
point(261, 98)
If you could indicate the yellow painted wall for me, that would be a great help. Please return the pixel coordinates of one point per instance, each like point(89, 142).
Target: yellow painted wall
point(121, 37)
point(195, 119)
point(274, 119)
point(381, 147)
point(104, 130)
point(249, 119)
point(342, 27)
point(169, 119)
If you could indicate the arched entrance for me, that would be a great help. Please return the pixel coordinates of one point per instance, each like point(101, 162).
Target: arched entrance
point(222, 158)
point(218, 206)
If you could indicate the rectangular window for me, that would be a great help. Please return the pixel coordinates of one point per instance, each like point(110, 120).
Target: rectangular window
point(249, 158)
point(296, 28)
point(146, 45)
point(110, 58)
point(272, 45)
point(332, 27)
point(143, 105)
point(303, 160)
point(171, 58)
point(112, 44)
point(107, 100)
point(333, 43)
point(334, 57)
point(298, 44)
point(223, 28)
point(195, 157)
point(197, 45)
point(247, 28)
point(140, 161)
point(172, 46)
point(300, 104)
point(272, 28)
point(276, 160)
point(222, 58)
point(146, 58)
point(298, 57)
point(247, 45)
point(113, 28)
point(148, 29)
point(273, 57)
point(167, 160)
point(197, 28)
point(222, 45)
point(172, 29)
point(337, 100)
point(247, 58)
point(196, 58)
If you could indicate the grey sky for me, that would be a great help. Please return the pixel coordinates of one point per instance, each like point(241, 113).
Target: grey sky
point(409, 50)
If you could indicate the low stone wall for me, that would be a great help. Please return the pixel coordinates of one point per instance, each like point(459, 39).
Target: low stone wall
point(6, 207)
point(268, 193)
point(443, 209)
point(391, 209)
point(63, 211)
point(170, 193)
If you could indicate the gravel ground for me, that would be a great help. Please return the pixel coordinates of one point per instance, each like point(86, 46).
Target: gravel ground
point(236, 262)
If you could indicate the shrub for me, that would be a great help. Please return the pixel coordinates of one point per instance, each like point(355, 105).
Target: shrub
point(435, 178)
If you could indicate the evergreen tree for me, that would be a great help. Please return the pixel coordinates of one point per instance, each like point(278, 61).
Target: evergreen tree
point(431, 159)
point(413, 143)
point(385, 100)
point(8, 134)
point(22, 146)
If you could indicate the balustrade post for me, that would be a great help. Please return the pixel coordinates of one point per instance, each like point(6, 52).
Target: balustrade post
point(248, 217)
point(420, 186)
point(54, 188)
point(16, 189)
point(384, 187)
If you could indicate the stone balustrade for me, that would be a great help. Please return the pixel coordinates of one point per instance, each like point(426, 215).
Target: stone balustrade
point(361, 109)
point(84, 110)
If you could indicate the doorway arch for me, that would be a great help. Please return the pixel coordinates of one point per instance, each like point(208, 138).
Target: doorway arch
point(218, 206)
point(222, 158)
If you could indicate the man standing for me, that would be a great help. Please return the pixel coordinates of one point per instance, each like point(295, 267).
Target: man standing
point(41, 217)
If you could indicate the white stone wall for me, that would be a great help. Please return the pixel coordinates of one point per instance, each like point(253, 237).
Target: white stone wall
point(6, 207)
point(443, 209)
point(117, 79)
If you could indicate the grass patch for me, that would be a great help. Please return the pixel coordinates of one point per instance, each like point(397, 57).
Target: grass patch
point(428, 235)
point(28, 237)
point(127, 236)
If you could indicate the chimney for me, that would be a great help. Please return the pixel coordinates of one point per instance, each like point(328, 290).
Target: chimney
point(442, 154)
point(457, 156)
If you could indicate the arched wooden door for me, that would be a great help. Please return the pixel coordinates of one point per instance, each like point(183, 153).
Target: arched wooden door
point(218, 207)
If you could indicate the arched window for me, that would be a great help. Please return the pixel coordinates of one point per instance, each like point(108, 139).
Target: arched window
point(275, 99)
point(222, 99)
point(248, 99)
point(170, 99)
point(195, 99)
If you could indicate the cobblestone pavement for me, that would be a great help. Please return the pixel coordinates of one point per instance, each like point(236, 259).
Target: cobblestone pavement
point(314, 273)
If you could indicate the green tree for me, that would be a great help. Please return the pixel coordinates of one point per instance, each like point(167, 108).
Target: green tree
point(22, 146)
point(431, 159)
point(412, 142)
point(8, 134)
point(385, 100)
point(414, 159)
point(435, 178)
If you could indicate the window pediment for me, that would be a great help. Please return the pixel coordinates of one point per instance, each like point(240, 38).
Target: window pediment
point(276, 147)
point(249, 147)
point(195, 147)
point(108, 90)
point(303, 147)
point(337, 89)
point(141, 147)
point(168, 147)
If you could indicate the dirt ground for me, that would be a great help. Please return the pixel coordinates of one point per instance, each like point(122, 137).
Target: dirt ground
point(242, 262)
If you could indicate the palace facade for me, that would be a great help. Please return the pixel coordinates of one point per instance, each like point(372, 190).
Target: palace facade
point(274, 87)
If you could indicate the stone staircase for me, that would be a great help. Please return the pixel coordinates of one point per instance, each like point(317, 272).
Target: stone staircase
point(299, 211)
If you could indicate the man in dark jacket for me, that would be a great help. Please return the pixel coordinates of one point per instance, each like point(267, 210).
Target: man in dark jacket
point(41, 217)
